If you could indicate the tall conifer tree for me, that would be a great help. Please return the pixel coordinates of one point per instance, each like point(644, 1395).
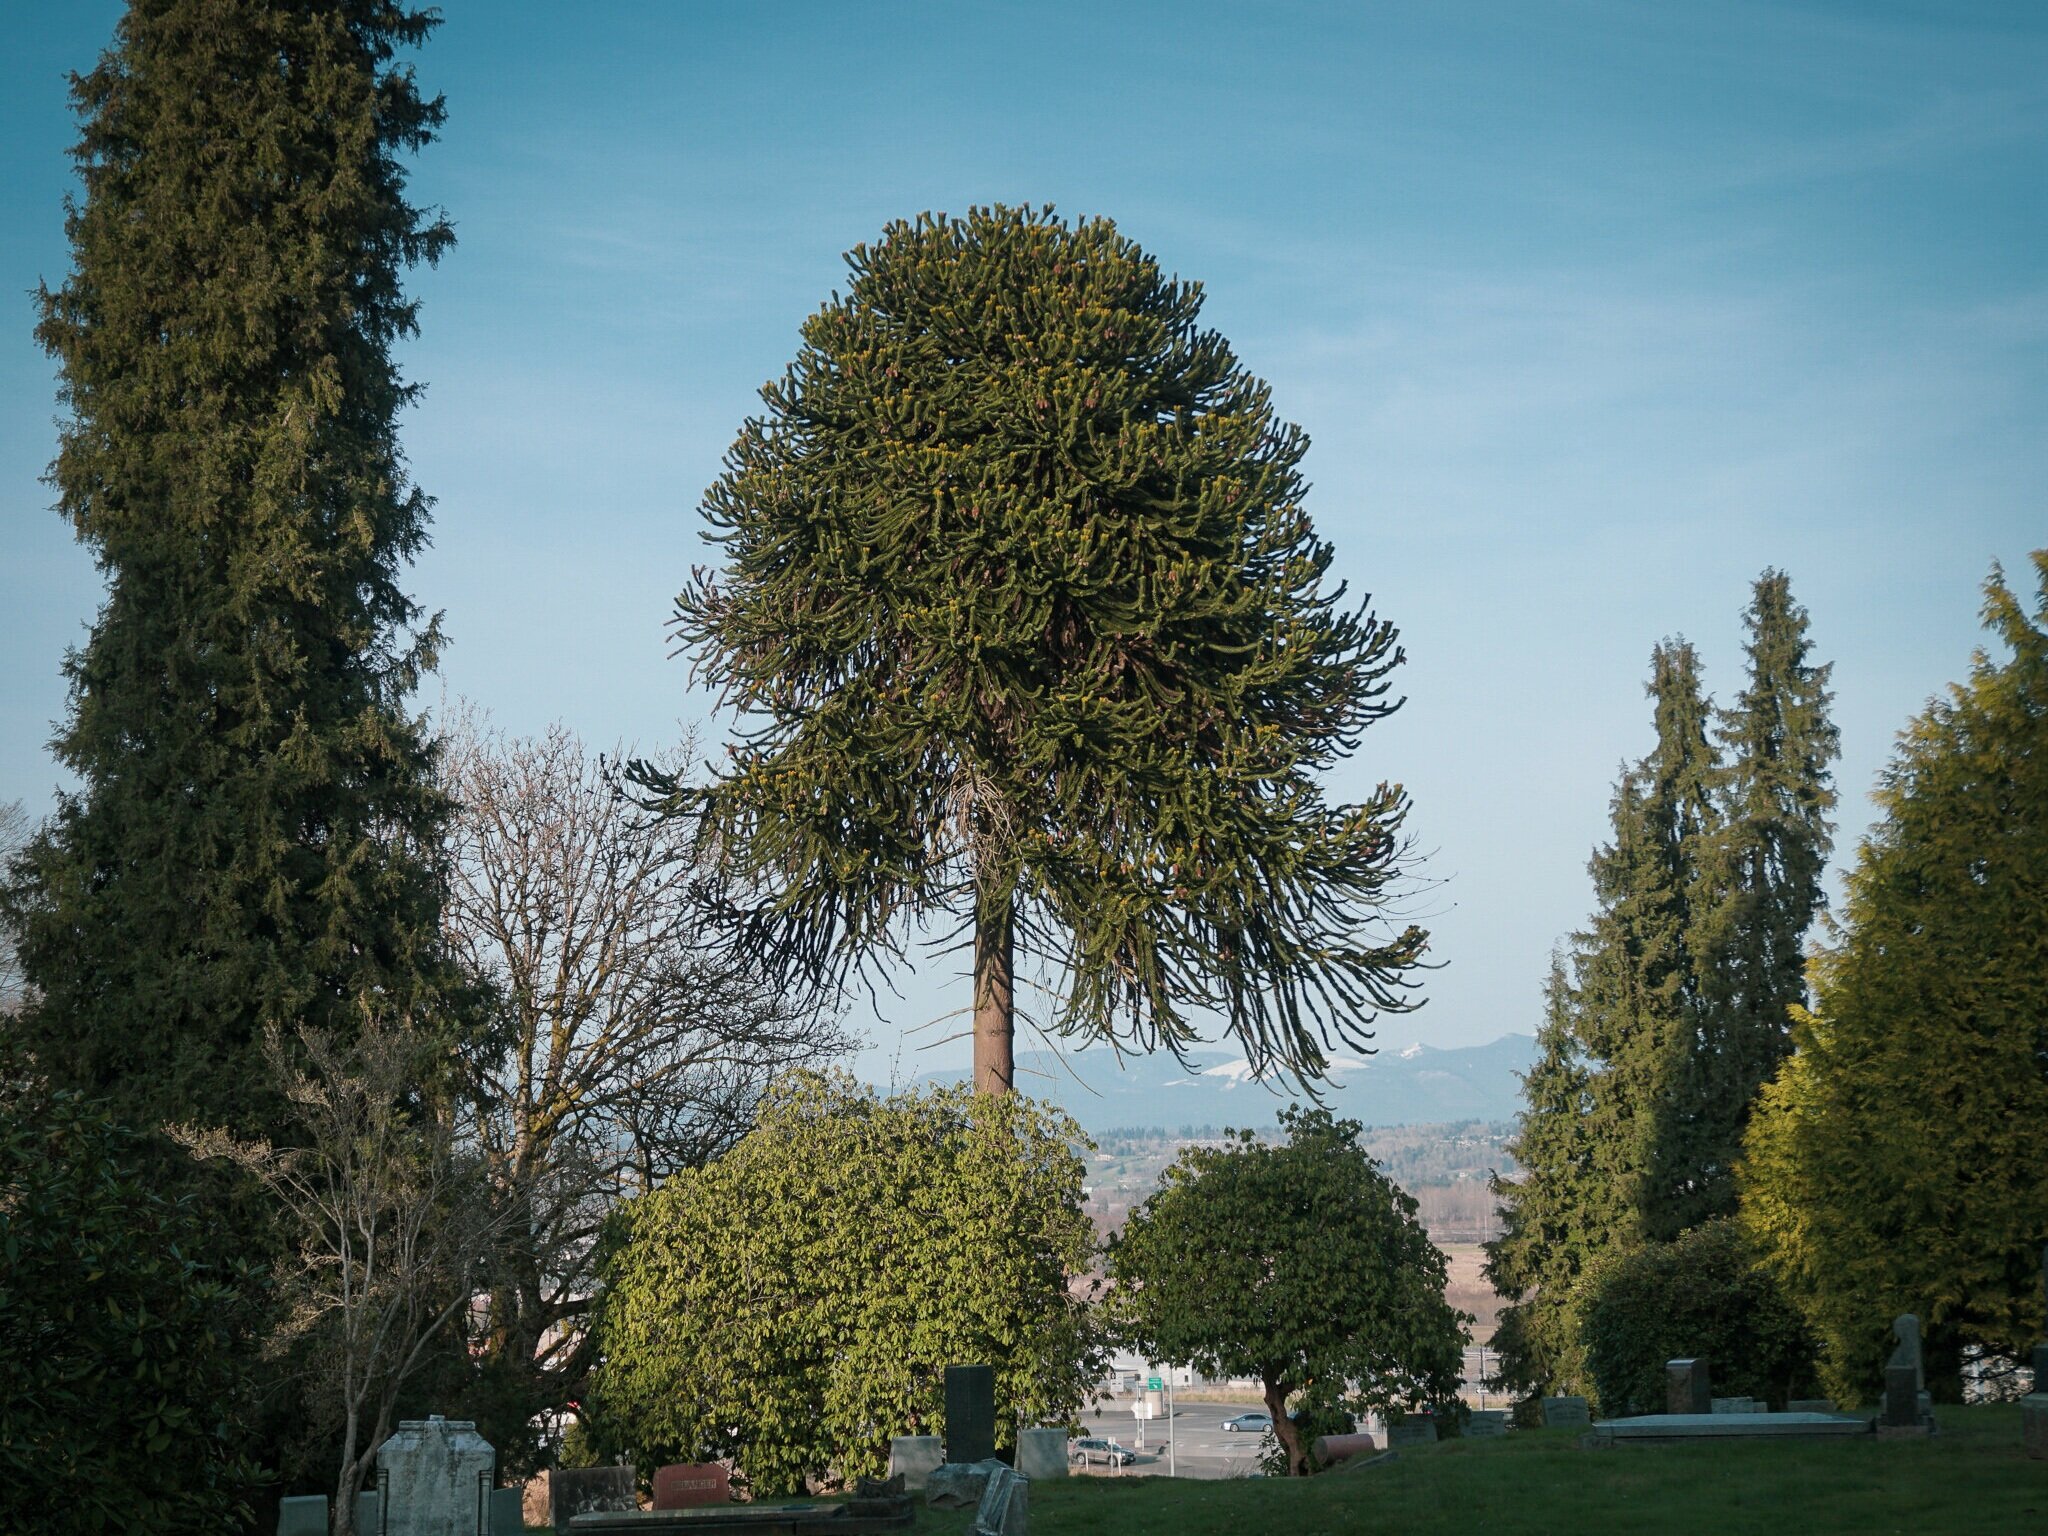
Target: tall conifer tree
point(1645, 1003)
point(1554, 1213)
point(256, 832)
point(1031, 628)
point(1778, 788)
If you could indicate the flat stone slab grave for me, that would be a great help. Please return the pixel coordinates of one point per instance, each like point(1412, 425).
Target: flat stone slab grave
point(1668, 1428)
point(808, 1518)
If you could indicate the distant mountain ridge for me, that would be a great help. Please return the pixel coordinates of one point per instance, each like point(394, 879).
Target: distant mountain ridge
point(1407, 1085)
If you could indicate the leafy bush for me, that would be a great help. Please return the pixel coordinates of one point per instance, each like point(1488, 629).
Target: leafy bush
point(124, 1360)
point(794, 1303)
point(1300, 1265)
point(1703, 1296)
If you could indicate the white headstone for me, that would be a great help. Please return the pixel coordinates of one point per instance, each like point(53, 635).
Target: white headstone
point(916, 1457)
point(436, 1477)
point(1042, 1453)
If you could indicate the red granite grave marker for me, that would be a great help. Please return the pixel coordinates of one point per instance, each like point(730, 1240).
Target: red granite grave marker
point(685, 1487)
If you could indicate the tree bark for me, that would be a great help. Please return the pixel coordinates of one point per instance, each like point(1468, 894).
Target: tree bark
point(995, 1068)
point(1285, 1430)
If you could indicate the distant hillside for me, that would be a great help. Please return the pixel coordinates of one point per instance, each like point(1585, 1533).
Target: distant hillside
point(1410, 1085)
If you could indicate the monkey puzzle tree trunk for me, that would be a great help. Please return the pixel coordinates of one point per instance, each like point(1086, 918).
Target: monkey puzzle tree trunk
point(995, 959)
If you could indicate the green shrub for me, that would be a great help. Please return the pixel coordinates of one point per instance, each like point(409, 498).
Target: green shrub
point(1701, 1296)
point(125, 1362)
point(794, 1303)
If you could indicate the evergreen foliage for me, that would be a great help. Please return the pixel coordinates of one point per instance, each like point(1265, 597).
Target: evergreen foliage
point(1643, 993)
point(1299, 1264)
point(1776, 795)
point(127, 1362)
point(255, 836)
point(1894, 1164)
point(1678, 998)
point(1700, 1295)
point(1030, 627)
point(1551, 1212)
point(794, 1303)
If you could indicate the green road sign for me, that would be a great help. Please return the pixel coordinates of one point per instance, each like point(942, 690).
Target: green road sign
point(1153, 1384)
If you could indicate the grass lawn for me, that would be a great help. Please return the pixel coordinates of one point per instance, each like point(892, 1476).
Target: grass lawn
point(1972, 1477)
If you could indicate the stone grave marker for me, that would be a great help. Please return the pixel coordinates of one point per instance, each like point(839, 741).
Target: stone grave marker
point(970, 1413)
point(1486, 1424)
point(576, 1491)
point(1416, 1429)
point(508, 1512)
point(959, 1484)
point(1737, 1405)
point(1688, 1386)
point(1906, 1403)
point(916, 1457)
point(369, 1514)
point(1005, 1508)
point(1901, 1402)
point(1042, 1453)
point(435, 1476)
point(2034, 1425)
point(302, 1515)
point(1566, 1412)
point(1810, 1405)
point(691, 1484)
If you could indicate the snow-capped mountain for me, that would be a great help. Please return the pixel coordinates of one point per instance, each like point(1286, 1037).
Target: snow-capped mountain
point(1406, 1085)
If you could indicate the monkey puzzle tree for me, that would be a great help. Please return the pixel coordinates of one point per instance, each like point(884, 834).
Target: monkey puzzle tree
point(1028, 626)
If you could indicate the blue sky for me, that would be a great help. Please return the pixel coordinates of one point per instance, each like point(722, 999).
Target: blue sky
point(1592, 311)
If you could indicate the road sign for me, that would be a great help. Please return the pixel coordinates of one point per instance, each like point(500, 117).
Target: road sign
point(1154, 1384)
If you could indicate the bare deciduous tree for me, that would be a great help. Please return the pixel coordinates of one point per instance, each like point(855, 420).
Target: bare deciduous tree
point(393, 1225)
point(633, 1043)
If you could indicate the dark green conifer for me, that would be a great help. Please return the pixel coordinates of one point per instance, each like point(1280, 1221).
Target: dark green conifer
point(1553, 1212)
point(1645, 1005)
point(256, 829)
point(1778, 744)
point(1030, 627)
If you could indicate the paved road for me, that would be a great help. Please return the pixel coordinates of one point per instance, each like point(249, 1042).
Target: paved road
point(1201, 1448)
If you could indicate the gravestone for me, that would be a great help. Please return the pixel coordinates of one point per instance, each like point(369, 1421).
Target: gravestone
point(1005, 1508)
point(915, 1457)
point(2034, 1425)
point(959, 1484)
point(1906, 1329)
point(1416, 1429)
point(2041, 1349)
point(1810, 1405)
point(508, 1512)
point(1486, 1424)
point(1905, 1404)
point(1737, 1405)
point(1688, 1387)
point(302, 1515)
point(1901, 1402)
point(1566, 1412)
point(435, 1476)
point(576, 1491)
point(369, 1514)
point(1042, 1453)
point(970, 1413)
point(691, 1484)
